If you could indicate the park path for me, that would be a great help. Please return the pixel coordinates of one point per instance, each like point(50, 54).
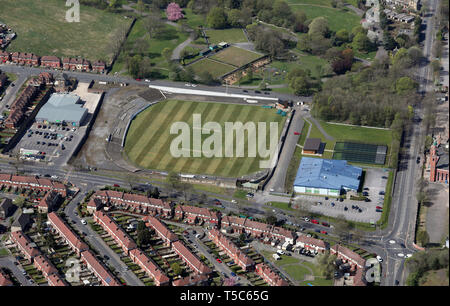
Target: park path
point(177, 51)
point(317, 124)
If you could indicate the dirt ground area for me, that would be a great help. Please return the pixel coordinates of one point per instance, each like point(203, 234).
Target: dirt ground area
point(116, 101)
point(437, 222)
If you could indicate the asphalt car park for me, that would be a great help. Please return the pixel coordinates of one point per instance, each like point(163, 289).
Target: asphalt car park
point(50, 143)
point(361, 211)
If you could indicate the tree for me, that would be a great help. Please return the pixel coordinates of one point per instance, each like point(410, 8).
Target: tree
point(216, 18)
point(174, 180)
point(361, 42)
point(206, 77)
point(271, 218)
point(326, 265)
point(405, 85)
point(422, 237)
point(167, 54)
point(342, 228)
point(140, 6)
point(50, 241)
point(19, 201)
point(176, 268)
point(319, 26)
point(173, 12)
point(342, 36)
point(155, 193)
point(153, 25)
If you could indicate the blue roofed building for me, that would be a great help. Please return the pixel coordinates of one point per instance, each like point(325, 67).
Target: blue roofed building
point(326, 176)
point(62, 108)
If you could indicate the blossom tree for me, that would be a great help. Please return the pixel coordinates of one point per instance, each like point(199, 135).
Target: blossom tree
point(173, 12)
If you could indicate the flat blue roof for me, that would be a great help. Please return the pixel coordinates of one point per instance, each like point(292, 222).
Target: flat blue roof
point(327, 174)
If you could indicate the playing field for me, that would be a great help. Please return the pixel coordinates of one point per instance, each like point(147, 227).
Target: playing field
point(236, 56)
point(215, 68)
point(227, 35)
point(148, 140)
point(41, 28)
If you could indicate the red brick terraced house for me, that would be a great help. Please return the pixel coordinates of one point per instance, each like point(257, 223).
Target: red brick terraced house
point(149, 266)
point(94, 205)
point(160, 228)
point(18, 107)
point(66, 63)
point(25, 59)
point(191, 280)
point(65, 232)
point(4, 57)
point(44, 265)
point(347, 255)
point(48, 202)
point(55, 280)
point(50, 61)
point(190, 259)
point(45, 78)
point(283, 234)
point(195, 214)
point(311, 244)
point(256, 229)
point(30, 182)
point(270, 277)
point(114, 230)
point(25, 245)
point(239, 257)
point(135, 201)
point(5, 281)
point(438, 163)
point(99, 67)
point(93, 264)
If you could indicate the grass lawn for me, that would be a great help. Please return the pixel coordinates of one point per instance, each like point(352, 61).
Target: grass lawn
point(236, 56)
point(148, 141)
point(240, 194)
point(227, 35)
point(281, 205)
point(170, 38)
point(358, 133)
point(297, 272)
point(337, 18)
point(215, 68)
point(41, 28)
point(11, 76)
point(193, 20)
point(3, 252)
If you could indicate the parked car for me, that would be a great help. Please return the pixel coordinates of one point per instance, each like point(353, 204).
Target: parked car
point(116, 185)
point(325, 224)
point(379, 258)
point(218, 260)
point(314, 221)
point(323, 232)
point(296, 133)
point(379, 207)
point(83, 222)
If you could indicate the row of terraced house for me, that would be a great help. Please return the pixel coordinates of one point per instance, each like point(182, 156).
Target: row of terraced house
point(191, 214)
point(33, 183)
point(82, 250)
point(50, 61)
point(28, 248)
point(130, 248)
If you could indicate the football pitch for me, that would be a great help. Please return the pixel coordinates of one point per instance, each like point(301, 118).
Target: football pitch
point(149, 140)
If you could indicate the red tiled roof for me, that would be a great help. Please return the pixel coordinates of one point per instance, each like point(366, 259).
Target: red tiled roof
point(354, 257)
point(42, 263)
point(227, 244)
point(161, 229)
point(190, 280)
point(101, 272)
point(49, 58)
point(311, 241)
point(4, 279)
point(114, 228)
point(21, 239)
point(275, 279)
point(56, 280)
point(67, 232)
point(187, 256)
point(146, 263)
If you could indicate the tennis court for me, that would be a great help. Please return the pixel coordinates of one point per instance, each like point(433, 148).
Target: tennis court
point(360, 152)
